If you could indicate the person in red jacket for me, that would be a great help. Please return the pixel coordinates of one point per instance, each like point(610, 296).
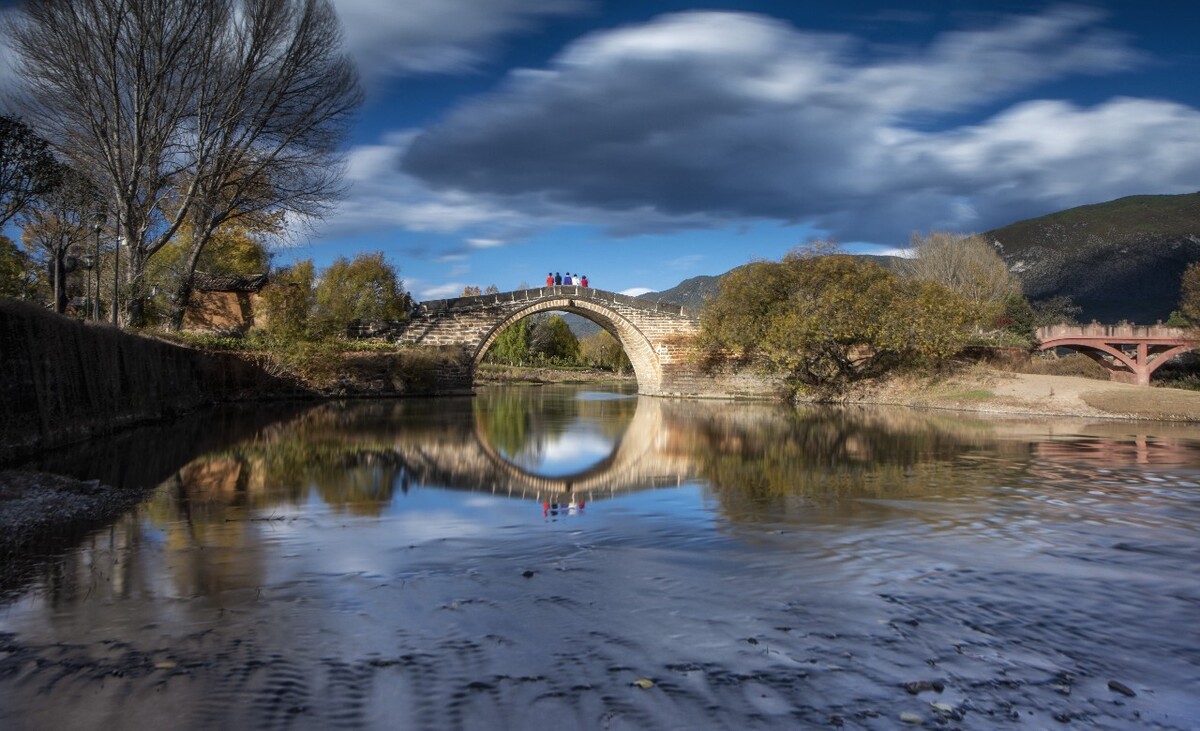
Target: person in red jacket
point(550, 279)
point(583, 281)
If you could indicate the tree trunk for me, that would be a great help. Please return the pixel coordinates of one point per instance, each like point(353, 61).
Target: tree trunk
point(183, 293)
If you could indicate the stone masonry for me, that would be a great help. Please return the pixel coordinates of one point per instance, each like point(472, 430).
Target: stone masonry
point(655, 335)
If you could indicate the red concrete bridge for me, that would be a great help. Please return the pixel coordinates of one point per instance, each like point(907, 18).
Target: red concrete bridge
point(1130, 353)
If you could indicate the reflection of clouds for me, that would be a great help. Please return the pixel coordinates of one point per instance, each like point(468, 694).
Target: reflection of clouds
point(573, 451)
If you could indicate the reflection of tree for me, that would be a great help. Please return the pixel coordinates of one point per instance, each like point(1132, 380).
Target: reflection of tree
point(766, 465)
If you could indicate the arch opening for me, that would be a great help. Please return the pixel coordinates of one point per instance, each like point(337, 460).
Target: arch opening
point(637, 347)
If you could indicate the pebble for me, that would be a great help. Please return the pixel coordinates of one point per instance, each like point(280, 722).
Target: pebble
point(912, 718)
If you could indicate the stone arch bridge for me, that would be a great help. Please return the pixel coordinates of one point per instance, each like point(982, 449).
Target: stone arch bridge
point(654, 335)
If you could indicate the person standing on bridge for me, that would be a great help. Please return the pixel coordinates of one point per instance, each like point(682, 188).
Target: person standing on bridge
point(583, 282)
point(557, 279)
point(567, 279)
point(550, 279)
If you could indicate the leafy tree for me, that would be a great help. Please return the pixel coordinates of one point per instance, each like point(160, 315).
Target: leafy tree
point(363, 289)
point(511, 346)
point(553, 340)
point(825, 321)
point(16, 279)
point(197, 110)
point(602, 350)
point(58, 225)
point(492, 289)
point(968, 265)
point(1056, 310)
point(288, 302)
point(27, 167)
point(470, 291)
point(1189, 293)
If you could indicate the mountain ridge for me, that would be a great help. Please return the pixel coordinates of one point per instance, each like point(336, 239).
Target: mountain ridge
point(1118, 260)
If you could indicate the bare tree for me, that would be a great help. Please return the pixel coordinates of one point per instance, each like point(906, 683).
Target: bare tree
point(27, 167)
point(57, 223)
point(967, 264)
point(193, 111)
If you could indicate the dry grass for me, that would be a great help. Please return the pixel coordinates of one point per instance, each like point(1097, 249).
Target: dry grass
point(1147, 403)
point(1074, 364)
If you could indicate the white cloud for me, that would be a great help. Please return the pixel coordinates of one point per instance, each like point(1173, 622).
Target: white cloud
point(688, 261)
point(636, 291)
point(480, 243)
point(440, 291)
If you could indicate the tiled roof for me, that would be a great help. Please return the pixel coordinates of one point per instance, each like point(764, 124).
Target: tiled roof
point(205, 282)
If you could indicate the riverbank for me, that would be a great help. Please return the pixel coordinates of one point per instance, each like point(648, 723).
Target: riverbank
point(39, 510)
point(490, 374)
point(988, 390)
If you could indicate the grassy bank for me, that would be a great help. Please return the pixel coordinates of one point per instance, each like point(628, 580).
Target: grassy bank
point(493, 374)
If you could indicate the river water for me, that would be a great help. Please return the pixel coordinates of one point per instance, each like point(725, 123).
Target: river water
point(564, 557)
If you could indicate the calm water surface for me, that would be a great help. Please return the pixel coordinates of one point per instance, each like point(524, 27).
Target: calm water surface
point(560, 557)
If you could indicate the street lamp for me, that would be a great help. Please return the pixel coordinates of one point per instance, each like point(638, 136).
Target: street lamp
point(100, 219)
point(88, 263)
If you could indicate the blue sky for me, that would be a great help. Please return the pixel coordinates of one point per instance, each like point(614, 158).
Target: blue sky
point(642, 143)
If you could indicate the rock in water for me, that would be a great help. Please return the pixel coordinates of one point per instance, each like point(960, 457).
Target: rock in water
point(1121, 688)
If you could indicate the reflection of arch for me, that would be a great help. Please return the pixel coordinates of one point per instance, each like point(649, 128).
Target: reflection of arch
point(468, 461)
point(634, 442)
point(637, 346)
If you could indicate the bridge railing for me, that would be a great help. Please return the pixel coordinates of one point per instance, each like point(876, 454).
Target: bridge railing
point(536, 293)
point(1113, 332)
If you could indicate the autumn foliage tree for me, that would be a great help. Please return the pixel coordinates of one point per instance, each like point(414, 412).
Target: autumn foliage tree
point(362, 289)
point(1189, 293)
point(826, 321)
point(288, 301)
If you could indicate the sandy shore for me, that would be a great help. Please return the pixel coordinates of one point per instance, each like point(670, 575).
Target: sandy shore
point(988, 390)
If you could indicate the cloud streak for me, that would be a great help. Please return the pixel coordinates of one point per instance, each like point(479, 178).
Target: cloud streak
point(698, 119)
point(438, 36)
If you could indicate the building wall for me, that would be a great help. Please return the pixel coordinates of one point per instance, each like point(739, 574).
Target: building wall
point(222, 312)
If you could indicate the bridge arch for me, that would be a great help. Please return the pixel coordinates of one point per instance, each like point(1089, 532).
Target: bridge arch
point(642, 354)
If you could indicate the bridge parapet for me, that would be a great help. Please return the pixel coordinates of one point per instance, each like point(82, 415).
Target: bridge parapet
point(1114, 332)
point(592, 294)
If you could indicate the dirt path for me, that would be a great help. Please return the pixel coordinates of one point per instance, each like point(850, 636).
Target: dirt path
point(988, 390)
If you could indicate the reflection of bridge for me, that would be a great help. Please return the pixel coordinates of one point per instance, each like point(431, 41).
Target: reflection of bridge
point(653, 334)
point(640, 460)
point(1130, 353)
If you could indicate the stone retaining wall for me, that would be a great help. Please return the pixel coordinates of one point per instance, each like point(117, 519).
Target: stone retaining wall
point(62, 381)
